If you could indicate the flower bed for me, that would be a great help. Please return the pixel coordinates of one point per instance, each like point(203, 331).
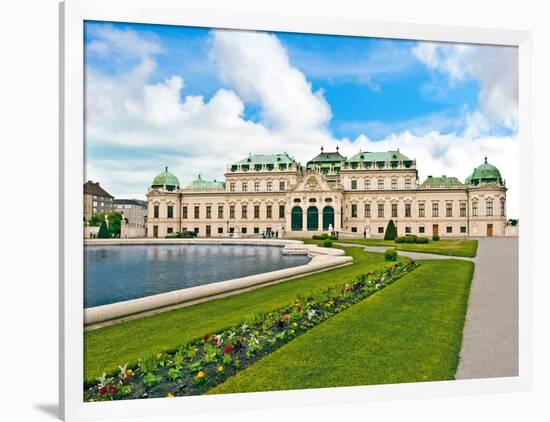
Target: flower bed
point(198, 366)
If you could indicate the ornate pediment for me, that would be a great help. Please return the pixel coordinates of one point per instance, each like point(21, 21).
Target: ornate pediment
point(313, 183)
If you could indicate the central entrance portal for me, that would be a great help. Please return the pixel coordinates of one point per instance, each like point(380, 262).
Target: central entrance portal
point(312, 219)
point(328, 217)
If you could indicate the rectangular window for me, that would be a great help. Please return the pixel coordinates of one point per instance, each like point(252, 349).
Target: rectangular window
point(169, 230)
point(244, 186)
point(449, 229)
point(269, 185)
point(380, 229)
point(231, 230)
point(421, 229)
point(256, 186)
point(256, 230)
point(232, 187)
point(380, 183)
point(208, 211)
point(394, 183)
point(394, 210)
point(502, 208)
point(220, 211)
point(156, 211)
point(244, 212)
point(196, 215)
point(220, 230)
point(268, 211)
point(256, 211)
point(367, 184)
point(169, 211)
point(489, 208)
point(354, 229)
point(474, 209)
point(435, 209)
point(462, 229)
point(281, 211)
point(184, 212)
point(353, 210)
point(231, 211)
point(367, 210)
point(407, 210)
point(422, 210)
point(407, 230)
point(282, 185)
point(407, 183)
point(449, 209)
point(243, 230)
point(381, 210)
point(354, 184)
point(463, 209)
point(196, 230)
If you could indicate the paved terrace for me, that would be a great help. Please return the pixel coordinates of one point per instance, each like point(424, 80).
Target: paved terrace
point(490, 342)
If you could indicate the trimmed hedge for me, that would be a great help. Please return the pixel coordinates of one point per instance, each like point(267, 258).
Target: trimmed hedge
point(322, 236)
point(400, 239)
point(390, 255)
point(435, 238)
point(422, 240)
point(410, 238)
point(327, 243)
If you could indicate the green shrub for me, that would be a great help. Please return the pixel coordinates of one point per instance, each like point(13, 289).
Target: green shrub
point(333, 237)
point(316, 237)
point(435, 238)
point(323, 236)
point(422, 240)
point(391, 231)
point(327, 243)
point(410, 239)
point(103, 231)
point(400, 239)
point(390, 255)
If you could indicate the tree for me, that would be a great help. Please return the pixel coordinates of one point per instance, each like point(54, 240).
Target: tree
point(391, 231)
point(103, 231)
point(114, 219)
point(96, 220)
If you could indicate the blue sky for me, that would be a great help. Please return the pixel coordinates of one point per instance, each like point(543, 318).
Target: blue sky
point(168, 95)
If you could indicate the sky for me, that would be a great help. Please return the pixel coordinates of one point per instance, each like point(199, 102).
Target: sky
point(197, 99)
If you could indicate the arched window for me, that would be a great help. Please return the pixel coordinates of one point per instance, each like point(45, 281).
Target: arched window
point(502, 207)
point(296, 219)
point(328, 217)
point(312, 219)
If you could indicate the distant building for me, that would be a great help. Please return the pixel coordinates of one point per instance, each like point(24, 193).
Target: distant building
point(96, 200)
point(354, 196)
point(133, 210)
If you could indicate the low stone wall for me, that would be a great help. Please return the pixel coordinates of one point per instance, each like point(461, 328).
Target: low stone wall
point(322, 259)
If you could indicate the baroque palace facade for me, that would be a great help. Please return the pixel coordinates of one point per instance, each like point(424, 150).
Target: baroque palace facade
point(354, 196)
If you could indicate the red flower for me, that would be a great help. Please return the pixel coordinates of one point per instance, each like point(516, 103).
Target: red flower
point(101, 390)
point(206, 337)
point(215, 341)
point(228, 349)
point(112, 389)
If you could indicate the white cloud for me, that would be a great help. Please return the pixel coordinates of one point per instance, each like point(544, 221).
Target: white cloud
point(160, 125)
point(495, 68)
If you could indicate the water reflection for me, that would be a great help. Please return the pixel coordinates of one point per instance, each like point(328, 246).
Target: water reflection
point(116, 273)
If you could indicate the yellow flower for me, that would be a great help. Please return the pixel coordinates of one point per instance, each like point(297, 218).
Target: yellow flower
point(170, 395)
point(220, 368)
point(200, 375)
point(159, 355)
point(291, 331)
point(294, 324)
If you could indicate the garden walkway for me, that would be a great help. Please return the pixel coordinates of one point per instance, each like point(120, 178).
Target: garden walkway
point(490, 338)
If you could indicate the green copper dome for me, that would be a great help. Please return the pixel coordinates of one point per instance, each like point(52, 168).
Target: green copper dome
point(166, 180)
point(485, 173)
point(202, 184)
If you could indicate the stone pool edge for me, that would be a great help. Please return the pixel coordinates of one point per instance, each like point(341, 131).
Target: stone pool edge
point(322, 259)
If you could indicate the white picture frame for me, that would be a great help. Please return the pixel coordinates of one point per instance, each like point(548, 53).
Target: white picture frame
point(73, 13)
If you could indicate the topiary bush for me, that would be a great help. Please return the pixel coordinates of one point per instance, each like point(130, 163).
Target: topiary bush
point(435, 238)
point(391, 231)
point(333, 237)
point(422, 240)
point(316, 237)
point(323, 236)
point(400, 239)
point(104, 232)
point(390, 255)
point(327, 243)
point(410, 239)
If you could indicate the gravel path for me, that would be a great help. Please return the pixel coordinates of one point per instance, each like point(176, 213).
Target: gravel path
point(490, 342)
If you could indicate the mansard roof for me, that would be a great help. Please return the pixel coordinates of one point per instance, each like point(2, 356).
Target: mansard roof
point(328, 157)
point(201, 184)
point(367, 156)
point(261, 159)
point(441, 182)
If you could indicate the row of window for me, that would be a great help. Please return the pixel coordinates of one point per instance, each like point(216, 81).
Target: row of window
point(220, 214)
point(256, 185)
point(367, 184)
point(421, 229)
point(435, 209)
point(220, 230)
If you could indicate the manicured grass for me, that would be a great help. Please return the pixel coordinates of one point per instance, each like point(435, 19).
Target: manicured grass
point(458, 247)
point(410, 331)
point(106, 348)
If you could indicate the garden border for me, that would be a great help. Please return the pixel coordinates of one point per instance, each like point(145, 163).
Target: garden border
point(322, 259)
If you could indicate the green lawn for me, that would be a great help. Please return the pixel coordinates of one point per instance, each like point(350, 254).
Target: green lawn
point(459, 247)
point(410, 331)
point(106, 348)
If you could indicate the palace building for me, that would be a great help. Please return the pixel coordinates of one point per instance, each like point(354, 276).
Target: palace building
point(354, 196)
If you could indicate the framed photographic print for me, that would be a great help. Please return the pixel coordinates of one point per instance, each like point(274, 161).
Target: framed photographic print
point(269, 211)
